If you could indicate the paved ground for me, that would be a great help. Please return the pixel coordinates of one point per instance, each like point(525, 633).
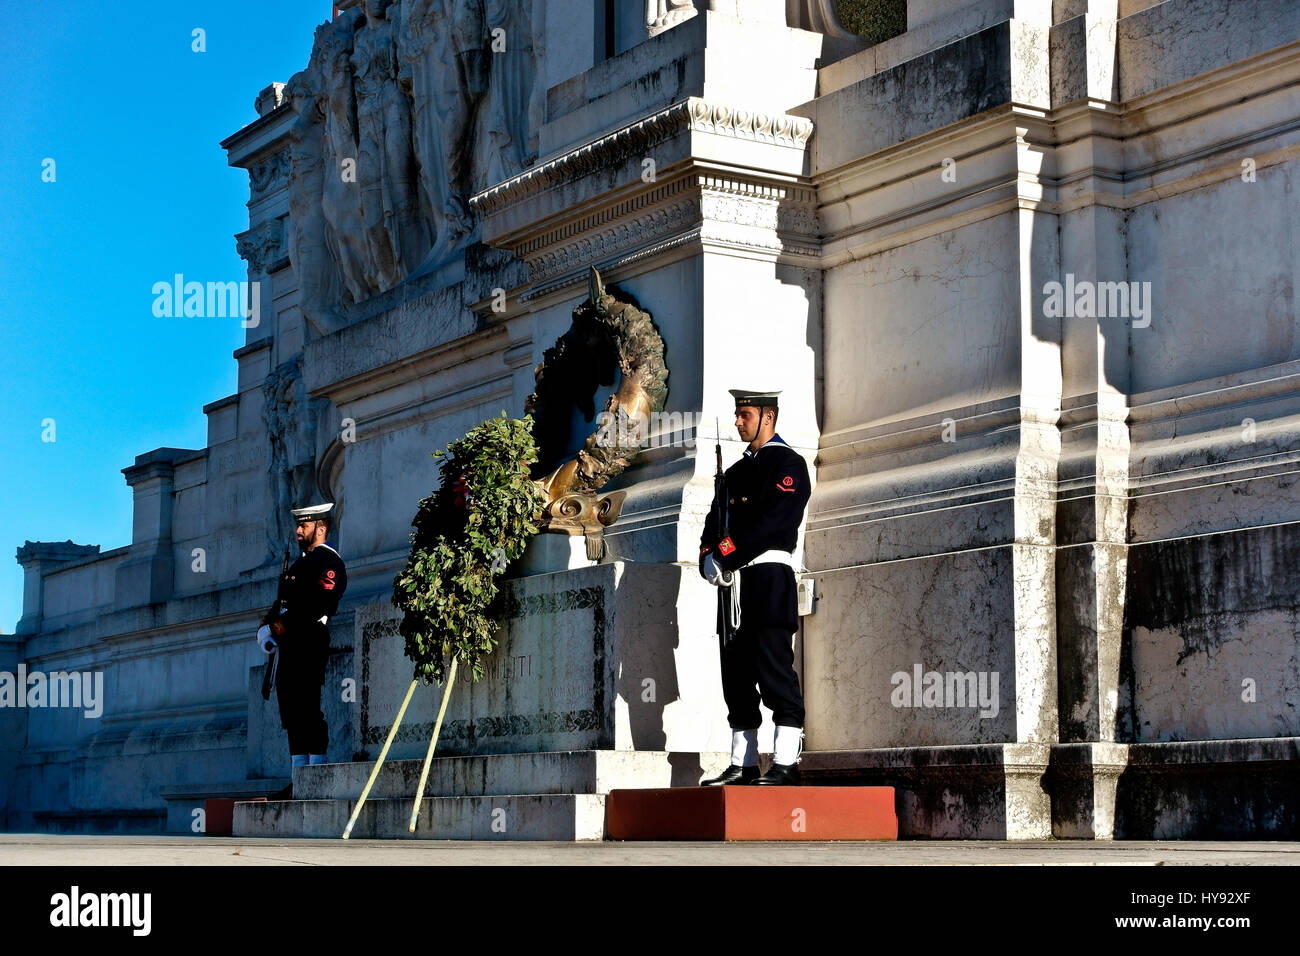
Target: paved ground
point(49, 850)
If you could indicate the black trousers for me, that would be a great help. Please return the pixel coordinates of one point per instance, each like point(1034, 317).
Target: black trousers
point(297, 689)
point(762, 656)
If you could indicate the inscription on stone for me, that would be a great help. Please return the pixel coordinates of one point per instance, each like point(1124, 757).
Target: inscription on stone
point(530, 695)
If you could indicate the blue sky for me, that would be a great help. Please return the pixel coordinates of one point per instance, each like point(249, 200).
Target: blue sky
point(132, 116)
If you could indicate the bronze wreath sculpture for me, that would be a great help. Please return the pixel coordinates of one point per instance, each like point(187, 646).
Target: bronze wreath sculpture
point(609, 334)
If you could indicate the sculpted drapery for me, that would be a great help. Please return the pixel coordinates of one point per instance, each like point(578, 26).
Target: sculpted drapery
point(405, 110)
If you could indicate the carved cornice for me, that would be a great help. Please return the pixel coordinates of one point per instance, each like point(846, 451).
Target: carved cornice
point(778, 129)
point(764, 217)
point(54, 551)
point(690, 115)
point(627, 234)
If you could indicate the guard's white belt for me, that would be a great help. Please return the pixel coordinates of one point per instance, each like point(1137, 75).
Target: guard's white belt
point(774, 557)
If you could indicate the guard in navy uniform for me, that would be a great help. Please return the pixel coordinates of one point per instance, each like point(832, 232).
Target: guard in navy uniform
point(752, 560)
point(296, 628)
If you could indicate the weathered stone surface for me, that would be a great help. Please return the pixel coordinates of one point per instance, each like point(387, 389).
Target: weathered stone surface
point(583, 771)
point(988, 792)
point(1210, 790)
point(574, 816)
point(1095, 508)
point(1167, 43)
point(588, 658)
point(1209, 625)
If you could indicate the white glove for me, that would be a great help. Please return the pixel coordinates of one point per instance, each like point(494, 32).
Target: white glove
point(714, 574)
point(264, 639)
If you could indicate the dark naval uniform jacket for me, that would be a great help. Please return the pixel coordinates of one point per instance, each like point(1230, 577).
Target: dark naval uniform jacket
point(310, 592)
point(767, 492)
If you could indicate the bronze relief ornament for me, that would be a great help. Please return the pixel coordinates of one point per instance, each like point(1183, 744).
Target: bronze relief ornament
point(610, 337)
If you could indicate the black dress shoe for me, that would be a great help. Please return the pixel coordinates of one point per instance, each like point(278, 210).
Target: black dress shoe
point(732, 774)
point(780, 775)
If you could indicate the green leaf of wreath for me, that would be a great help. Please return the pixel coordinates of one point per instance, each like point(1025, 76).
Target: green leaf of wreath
point(447, 591)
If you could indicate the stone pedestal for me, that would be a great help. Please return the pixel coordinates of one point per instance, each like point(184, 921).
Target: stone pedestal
point(612, 656)
point(527, 796)
point(989, 792)
point(1082, 782)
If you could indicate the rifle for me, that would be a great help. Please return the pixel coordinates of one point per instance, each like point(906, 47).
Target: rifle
point(722, 519)
point(273, 618)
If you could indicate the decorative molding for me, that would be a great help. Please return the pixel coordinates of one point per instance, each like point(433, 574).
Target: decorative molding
point(691, 115)
point(628, 234)
point(742, 213)
point(262, 245)
point(622, 212)
point(519, 355)
point(267, 174)
point(271, 98)
point(542, 289)
point(777, 129)
point(55, 552)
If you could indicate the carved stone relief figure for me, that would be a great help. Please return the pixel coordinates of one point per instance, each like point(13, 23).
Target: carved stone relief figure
point(512, 69)
point(318, 285)
point(290, 420)
point(661, 15)
point(341, 198)
point(390, 210)
point(382, 151)
point(443, 53)
point(267, 175)
point(537, 102)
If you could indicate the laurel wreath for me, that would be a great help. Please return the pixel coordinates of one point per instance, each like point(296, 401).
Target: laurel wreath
point(873, 20)
point(464, 537)
point(610, 334)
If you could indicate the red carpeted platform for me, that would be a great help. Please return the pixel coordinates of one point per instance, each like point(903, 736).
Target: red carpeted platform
point(219, 815)
point(752, 813)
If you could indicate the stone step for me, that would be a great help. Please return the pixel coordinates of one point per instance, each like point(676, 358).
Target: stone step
point(753, 813)
point(562, 772)
point(572, 816)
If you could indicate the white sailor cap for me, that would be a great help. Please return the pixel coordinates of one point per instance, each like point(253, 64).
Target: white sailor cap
point(313, 512)
point(745, 396)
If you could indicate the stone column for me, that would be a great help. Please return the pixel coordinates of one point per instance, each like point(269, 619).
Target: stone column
point(146, 576)
point(1092, 512)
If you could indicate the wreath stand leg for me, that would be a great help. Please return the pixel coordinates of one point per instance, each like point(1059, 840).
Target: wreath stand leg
point(356, 812)
point(433, 742)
